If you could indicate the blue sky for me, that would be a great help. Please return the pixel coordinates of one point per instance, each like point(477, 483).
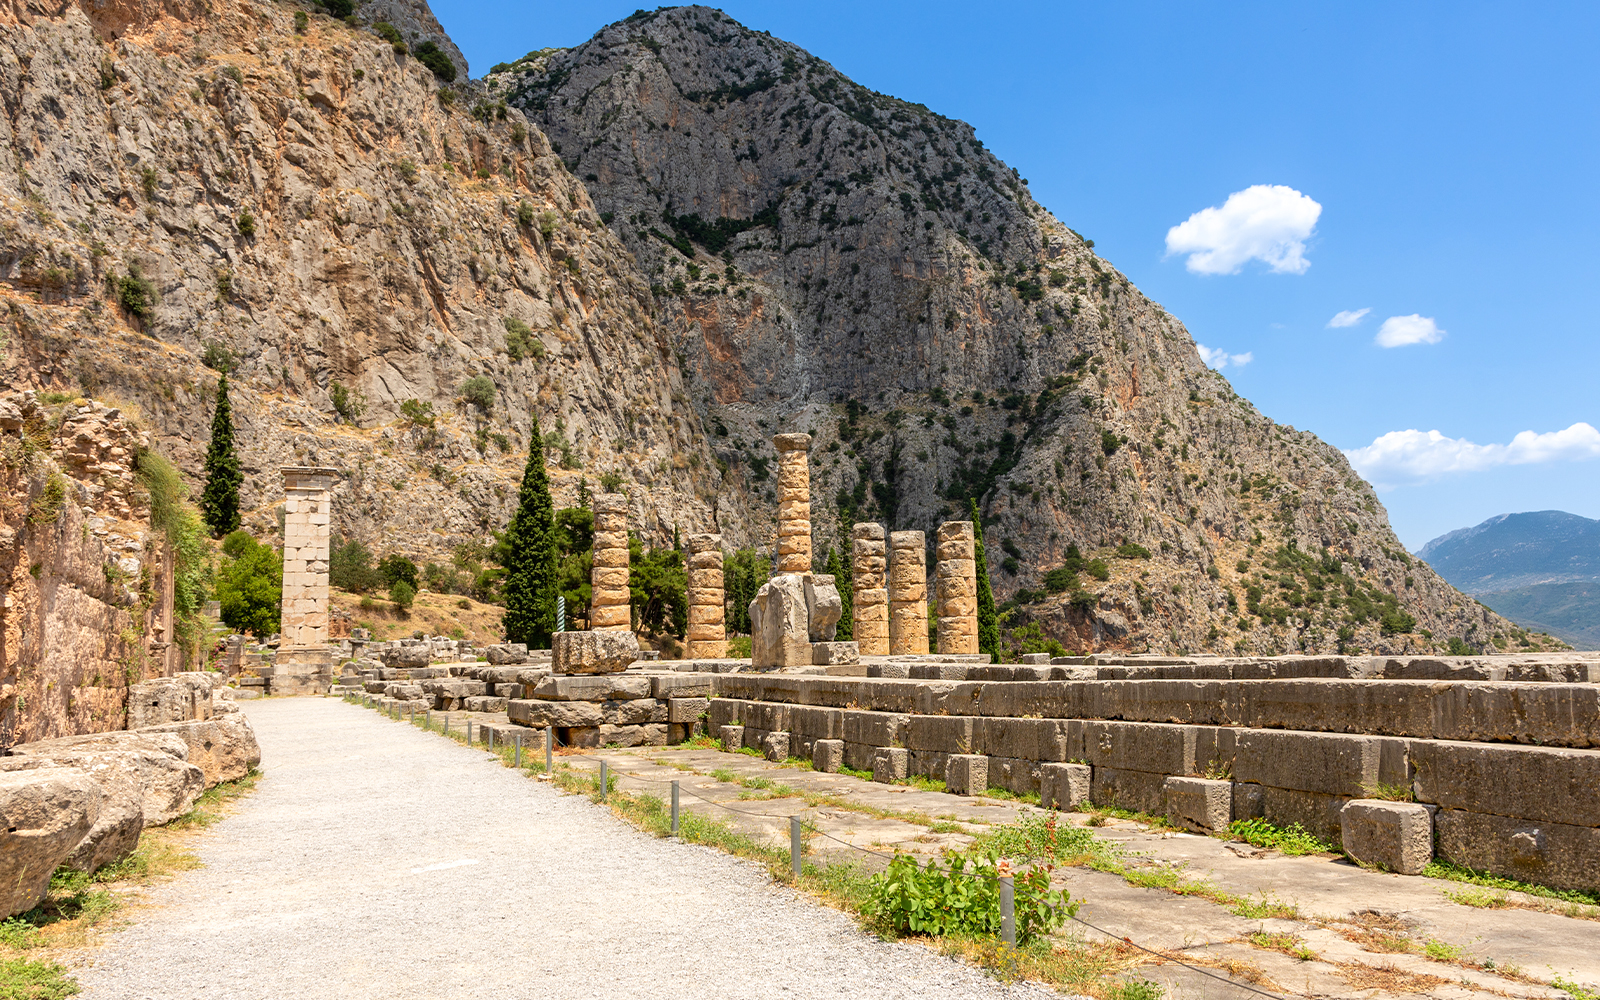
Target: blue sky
point(1445, 154)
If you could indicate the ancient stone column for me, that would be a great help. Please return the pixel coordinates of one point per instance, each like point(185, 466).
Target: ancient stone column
point(908, 593)
point(608, 579)
point(708, 636)
point(956, 587)
point(870, 606)
point(303, 661)
point(794, 503)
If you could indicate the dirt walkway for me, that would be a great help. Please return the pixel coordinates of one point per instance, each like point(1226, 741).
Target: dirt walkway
point(377, 860)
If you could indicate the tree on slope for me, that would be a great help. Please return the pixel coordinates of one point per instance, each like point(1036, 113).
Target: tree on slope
point(531, 579)
point(988, 622)
point(219, 501)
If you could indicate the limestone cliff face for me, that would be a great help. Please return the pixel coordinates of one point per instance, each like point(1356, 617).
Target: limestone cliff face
point(194, 178)
point(87, 607)
point(841, 262)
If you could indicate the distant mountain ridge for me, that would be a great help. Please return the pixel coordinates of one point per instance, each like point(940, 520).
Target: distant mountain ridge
point(1517, 550)
point(1541, 569)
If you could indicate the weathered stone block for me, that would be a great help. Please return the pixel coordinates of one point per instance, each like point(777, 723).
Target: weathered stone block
point(966, 774)
point(1138, 746)
point(507, 653)
point(944, 733)
point(832, 654)
point(680, 685)
point(606, 687)
point(1542, 784)
point(1559, 855)
point(687, 711)
point(1327, 763)
point(223, 748)
point(485, 703)
point(1063, 786)
point(879, 729)
point(635, 712)
point(732, 737)
point(776, 747)
point(779, 631)
point(48, 811)
point(1014, 774)
point(1199, 804)
point(890, 764)
point(827, 755)
point(561, 714)
point(1397, 836)
point(1140, 791)
point(594, 652)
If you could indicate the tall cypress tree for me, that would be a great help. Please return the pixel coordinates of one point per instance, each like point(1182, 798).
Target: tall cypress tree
point(841, 579)
point(531, 582)
point(988, 622)
point(219, 501)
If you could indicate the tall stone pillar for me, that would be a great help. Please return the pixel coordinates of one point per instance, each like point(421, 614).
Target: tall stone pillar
point(708, 636)
point(304, 663)
point(608, 579)
point(794, 503)
point(908, 593)
point(956, 583)
point(868, 560)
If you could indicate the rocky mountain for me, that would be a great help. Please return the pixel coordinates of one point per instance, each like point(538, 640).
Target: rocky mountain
point(668, 243)
point(193, 183)
point(858, 266)
point(1541, 569)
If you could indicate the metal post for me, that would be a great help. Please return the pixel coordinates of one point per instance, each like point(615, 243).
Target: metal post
point(549, 746)
point(427, 719)
point(519, 752)
point(604, 780)
point(674, 807)
point(469, 732)
point(1008, 914)
point(446, 729)
point(794, 844)
point(491, 738)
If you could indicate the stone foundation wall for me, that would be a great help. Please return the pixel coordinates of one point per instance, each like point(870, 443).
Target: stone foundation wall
point(1509, 770)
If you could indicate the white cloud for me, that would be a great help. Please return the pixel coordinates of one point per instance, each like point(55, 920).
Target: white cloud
point(1348, 317)
point(1220, 359)
point(1412, 456)
point(1398, 331)
point(1265, 222)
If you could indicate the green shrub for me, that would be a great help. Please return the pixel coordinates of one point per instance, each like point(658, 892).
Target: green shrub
point(136, 293)
point(610, 481)
point(402, 594)
point(247, 224)
point(50, 502)
point(1292, 840)
point(963, 898)
point(1109, 443)
point(217, 357)
point(398, 569)
point(479, 391)
point(1397, 622)
point(429, 55)
point(390, 34)
point(1459, 648)
point(350, 567)
point(525, 214)
point(339, 8)
point(301, 22)
point(348, 403)
point(521, 341)
point(1130, 550)
point(407, 169)
point(417, 412)
point(250, 585)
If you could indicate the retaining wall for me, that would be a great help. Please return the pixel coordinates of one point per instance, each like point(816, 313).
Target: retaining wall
point(1508, 768)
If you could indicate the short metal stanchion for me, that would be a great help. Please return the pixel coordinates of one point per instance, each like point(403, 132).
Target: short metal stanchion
point(549, 746)
point(674, 807)
point(427, 719)
point(604, 780)
point(519, 752)
point(469, 732)
point(491, 737)
point(794, 844)
point(446, 729)
point(1008, 913)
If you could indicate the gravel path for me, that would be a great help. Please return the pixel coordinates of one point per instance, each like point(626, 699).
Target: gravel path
point(377, 860)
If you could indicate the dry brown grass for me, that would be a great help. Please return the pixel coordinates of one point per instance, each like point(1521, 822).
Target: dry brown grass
point(1388, 978)
point(433, 614)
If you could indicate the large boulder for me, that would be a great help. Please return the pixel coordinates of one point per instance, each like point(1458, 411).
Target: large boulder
point(159, 761)
point(225, 748)
point(779, 623)
point(115, 833)
point(408, 657)
point(46, 813)
point(605, 652)
point(823, 606)
point(167, 699)
point(508, 653)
